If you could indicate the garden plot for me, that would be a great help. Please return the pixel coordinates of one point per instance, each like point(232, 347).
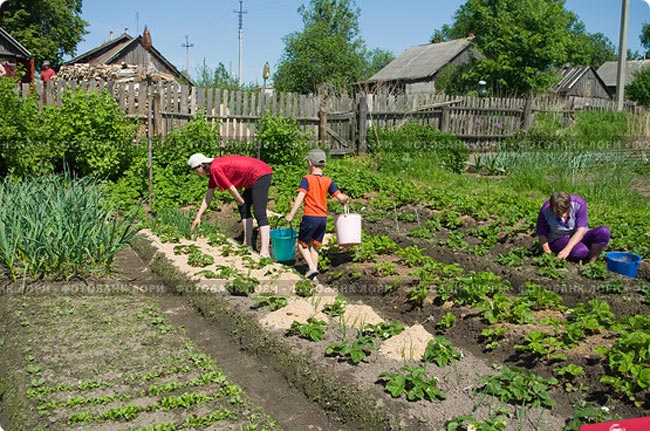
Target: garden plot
point(358, 348)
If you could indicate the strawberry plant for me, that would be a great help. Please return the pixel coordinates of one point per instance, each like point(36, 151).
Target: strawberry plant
point(242, 286)
point(550, 266)
point(594, 271)
point(304, 288)
point(414, 383)
point(384, 269)
point(587, 413)
point(270, 301)
point(312, 330)
point(441, 351)
point(492, 336)
point(416, 297)
point(445, 322)
point(351, 351)
point(412, 256)
point(336, 308)
point(520, 387)
point(383, 330)
point(198, 258)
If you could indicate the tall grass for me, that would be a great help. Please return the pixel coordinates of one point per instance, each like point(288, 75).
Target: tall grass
point(58, 228)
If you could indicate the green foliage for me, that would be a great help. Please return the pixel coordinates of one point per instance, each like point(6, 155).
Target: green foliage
point(520, 387)
point(270, 301)
point(23, 149)
point(639, 89)
point(281, 142)
point(587, 413)
point(49, 29)
point(313, 330)
point(414, 383)
point(241, 285)
point(594, 271)
point(509, 34)
point(599, 129)
point(90, 133)
point(328, 50)
point(445, 322)
point(59, 228)
point(336, 308)
point(305, 288)
point(498, 421)
point(441, 351)
point(415, 140)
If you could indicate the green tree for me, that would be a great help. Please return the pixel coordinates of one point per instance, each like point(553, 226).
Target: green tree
point(327, 50)
point(218, 78)
point(49, 29)
point(522, 42)
point(639, 89)
point(375, 60)
point(644, 37)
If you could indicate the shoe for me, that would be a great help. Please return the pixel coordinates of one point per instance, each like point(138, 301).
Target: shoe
point(312, 275)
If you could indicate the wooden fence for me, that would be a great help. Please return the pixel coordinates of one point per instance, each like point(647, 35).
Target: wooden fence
point(340, 122)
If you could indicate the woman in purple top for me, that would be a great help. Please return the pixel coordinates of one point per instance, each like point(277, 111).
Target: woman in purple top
point(562, 227)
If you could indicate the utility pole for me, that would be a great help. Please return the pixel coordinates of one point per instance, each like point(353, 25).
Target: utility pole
point(241, 13)
point(187, 45)
point(622, 57)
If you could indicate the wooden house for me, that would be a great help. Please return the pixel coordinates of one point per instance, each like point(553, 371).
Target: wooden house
point(14, 58)
point(416, 69)
point(129, 51)
point(581, 82)
point(608, 72)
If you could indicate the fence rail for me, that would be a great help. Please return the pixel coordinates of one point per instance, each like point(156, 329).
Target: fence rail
point(339, 122)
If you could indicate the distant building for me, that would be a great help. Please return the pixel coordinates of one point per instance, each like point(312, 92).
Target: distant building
point(126, 50)
point(581, 82)
point(608, 72)
point(14, 56)
point(417, 68)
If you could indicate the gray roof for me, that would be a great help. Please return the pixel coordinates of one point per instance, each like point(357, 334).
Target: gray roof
point(608, 71)
point(11, 47)
point(421, 61)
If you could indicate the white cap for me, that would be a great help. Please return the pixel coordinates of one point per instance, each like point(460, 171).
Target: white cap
point(198, 159)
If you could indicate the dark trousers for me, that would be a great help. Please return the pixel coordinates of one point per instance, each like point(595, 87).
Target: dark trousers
point(258, 198)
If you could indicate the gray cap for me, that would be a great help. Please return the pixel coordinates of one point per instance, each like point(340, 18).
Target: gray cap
point(197, 159)
point(316, 156)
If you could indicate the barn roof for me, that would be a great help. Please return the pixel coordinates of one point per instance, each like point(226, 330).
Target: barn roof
point(10, 47)
point(571, 76)
point(109, 52)
point(421, 61)
point(609, 70)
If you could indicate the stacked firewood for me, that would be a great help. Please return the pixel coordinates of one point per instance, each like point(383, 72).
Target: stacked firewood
point(108, 72)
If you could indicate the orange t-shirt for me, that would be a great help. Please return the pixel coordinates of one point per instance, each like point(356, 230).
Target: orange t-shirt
point(316, 189)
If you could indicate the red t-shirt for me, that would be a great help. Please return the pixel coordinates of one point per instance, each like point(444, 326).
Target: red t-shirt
point(238, 171)
point(47, 74)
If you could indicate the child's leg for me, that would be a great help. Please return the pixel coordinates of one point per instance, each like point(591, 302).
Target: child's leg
point(314, 255)
point(307, 255)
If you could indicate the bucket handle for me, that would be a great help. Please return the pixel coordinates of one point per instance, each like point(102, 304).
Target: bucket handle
point(346, 210)
point(275, 226)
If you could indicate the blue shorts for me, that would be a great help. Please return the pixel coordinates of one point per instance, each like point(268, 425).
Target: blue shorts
point(312, 231)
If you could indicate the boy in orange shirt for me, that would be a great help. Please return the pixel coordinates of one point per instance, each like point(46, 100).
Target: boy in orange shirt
point(313, 191)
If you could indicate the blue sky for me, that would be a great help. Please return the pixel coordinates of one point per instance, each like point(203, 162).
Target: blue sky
point(212, 26)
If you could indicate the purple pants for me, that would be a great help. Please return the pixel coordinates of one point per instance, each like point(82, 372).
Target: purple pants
point(599, 235)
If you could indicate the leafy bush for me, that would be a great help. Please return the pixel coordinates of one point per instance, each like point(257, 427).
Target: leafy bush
point(414, 139)
point(281, 141)
point(22, 149)
point(90, 133)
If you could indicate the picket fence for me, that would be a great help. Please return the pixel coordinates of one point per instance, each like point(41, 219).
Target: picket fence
point(339, 122)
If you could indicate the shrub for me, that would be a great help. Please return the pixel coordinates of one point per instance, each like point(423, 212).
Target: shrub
point(414, 139)
point(90, 133)
point(281, 141)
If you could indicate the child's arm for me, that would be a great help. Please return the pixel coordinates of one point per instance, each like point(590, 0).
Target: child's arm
point(343, 198)
point(296, 205)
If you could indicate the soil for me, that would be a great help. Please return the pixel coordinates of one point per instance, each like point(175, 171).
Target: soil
point(280, 374)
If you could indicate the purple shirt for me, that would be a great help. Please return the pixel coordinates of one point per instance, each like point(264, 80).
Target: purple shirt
point(553, 227)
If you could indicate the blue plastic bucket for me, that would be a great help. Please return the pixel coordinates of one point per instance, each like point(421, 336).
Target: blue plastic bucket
point(623, 263)
point(283, 243)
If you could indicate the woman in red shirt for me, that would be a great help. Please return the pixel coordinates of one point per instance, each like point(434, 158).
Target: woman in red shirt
point(232, 173)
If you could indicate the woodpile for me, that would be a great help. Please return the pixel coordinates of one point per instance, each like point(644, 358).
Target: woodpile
point(120, 73)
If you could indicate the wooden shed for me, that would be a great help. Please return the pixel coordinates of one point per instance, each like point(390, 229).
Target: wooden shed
point(416, 69)
point(127, 50)
point(14, 57)
point(582, 82)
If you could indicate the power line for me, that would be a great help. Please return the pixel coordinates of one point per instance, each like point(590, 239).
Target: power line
point(241, 13)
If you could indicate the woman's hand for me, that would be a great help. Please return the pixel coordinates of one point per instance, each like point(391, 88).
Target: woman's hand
point(564, 253)
point(195, 223)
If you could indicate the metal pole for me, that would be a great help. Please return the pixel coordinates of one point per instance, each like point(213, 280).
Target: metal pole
point(622, 56)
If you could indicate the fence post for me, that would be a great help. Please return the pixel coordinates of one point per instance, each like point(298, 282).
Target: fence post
point(362, 124)
point(527, 115)
point(322, 123)
point(157, 112)
point(444, 119)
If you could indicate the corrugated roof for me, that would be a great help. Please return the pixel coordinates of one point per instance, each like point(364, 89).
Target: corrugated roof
point(106, 50)
point(570, 76)
point(609, 70)
point(421, 61)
